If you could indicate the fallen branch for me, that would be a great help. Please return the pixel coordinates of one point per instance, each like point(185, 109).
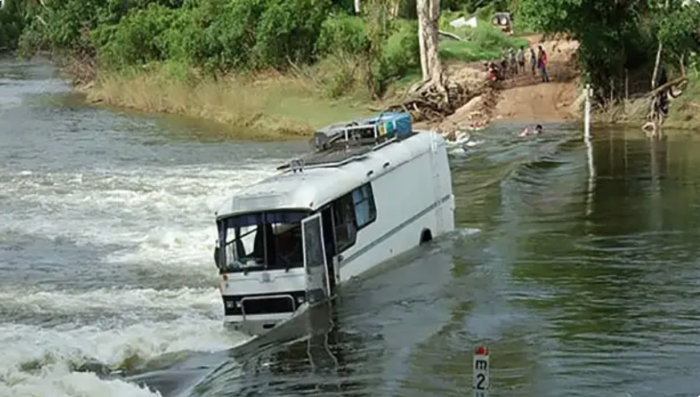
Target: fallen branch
point(682, 67)
point(450, 35)
point(670, 84)
point(428, 102)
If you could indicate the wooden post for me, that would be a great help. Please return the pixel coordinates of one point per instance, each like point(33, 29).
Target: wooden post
point(627, 85)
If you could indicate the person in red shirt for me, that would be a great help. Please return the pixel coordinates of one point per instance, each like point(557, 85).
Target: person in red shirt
point(542, 64)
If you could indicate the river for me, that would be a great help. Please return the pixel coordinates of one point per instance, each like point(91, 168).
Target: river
point(580, 283)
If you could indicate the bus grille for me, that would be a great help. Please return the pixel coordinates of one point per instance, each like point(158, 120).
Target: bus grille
point(259, 304)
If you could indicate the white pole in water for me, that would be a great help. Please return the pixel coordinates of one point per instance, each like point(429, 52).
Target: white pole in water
point(589, 150)
point(481, 372)
point(587, 113)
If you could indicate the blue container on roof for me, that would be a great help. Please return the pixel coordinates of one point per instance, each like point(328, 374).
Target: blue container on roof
point(393, 124)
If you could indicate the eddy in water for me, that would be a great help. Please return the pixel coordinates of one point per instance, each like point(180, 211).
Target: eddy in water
point(536, 131)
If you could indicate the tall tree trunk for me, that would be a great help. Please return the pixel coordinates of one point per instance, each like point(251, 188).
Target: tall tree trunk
point(655, 74)
point(395, 9)
point(433, 42)
point(424, 66)
point(428, 15)
point(655, 117)
point(423, 11)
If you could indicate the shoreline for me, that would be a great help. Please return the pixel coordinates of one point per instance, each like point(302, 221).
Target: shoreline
point(270, 106)
point(276, 106)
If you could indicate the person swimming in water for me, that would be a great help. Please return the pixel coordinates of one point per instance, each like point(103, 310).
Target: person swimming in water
point(536, 131)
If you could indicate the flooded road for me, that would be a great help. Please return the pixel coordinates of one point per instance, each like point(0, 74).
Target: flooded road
point(580, 284)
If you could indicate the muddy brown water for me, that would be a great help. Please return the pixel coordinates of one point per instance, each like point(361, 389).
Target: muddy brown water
point(580, 283)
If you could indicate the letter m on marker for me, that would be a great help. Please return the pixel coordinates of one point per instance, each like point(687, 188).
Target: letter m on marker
point(481, 364)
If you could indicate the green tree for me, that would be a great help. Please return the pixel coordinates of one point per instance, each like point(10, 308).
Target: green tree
point(616, 35)
point(13, 19)
point(473, 5)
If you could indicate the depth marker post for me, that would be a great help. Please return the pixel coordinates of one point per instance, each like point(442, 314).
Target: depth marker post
point(481, 370)
point(589, 150)
point(587, 113)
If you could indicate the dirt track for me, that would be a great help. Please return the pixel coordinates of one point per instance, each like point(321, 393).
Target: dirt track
point(522, 97)
point(531, 100)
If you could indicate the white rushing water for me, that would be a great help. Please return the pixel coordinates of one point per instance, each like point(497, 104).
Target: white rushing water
point(157, 220)
point(105, 244)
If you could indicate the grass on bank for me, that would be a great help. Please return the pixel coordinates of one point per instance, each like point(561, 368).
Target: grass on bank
point(684, 111)
point(482, 43)
point(273, 105)
point(266, 107)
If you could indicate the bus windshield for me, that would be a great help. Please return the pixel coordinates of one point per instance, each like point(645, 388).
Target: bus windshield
point(260, 241)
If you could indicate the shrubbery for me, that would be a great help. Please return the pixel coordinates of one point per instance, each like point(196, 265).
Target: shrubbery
point(219, 36)
point(616, 37)
point(12, 22)
point(215, 35)
point(345, 44)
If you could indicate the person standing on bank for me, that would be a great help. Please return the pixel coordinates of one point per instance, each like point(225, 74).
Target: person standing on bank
point(513, 61)
point(533, 61)
point(520, 57)
point(542, 64)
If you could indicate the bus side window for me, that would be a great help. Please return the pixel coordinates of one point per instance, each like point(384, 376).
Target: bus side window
point(365, 209)
point(344, 218)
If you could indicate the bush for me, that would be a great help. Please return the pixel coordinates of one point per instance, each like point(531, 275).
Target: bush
point(399, 54)
point(212, 34)
point(137, 39)
point(488, 36)
point(486, 13)
point(485, 42)
point(347, 59)
point(343, 33)
point(288, 30)
point(12, 22)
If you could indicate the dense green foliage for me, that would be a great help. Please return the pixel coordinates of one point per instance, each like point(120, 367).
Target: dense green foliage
point(13, 19)
point(222, 35)
point(619, 35)
point(485, 42)
point(471, 6)
point(217, 36)
point(385, 53)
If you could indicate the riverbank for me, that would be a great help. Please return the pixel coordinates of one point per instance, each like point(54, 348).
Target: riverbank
point(266, 106)
point(526, 99)
point(684, 111)
point(523, 97)
point(270, 105)
point(273, 105)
